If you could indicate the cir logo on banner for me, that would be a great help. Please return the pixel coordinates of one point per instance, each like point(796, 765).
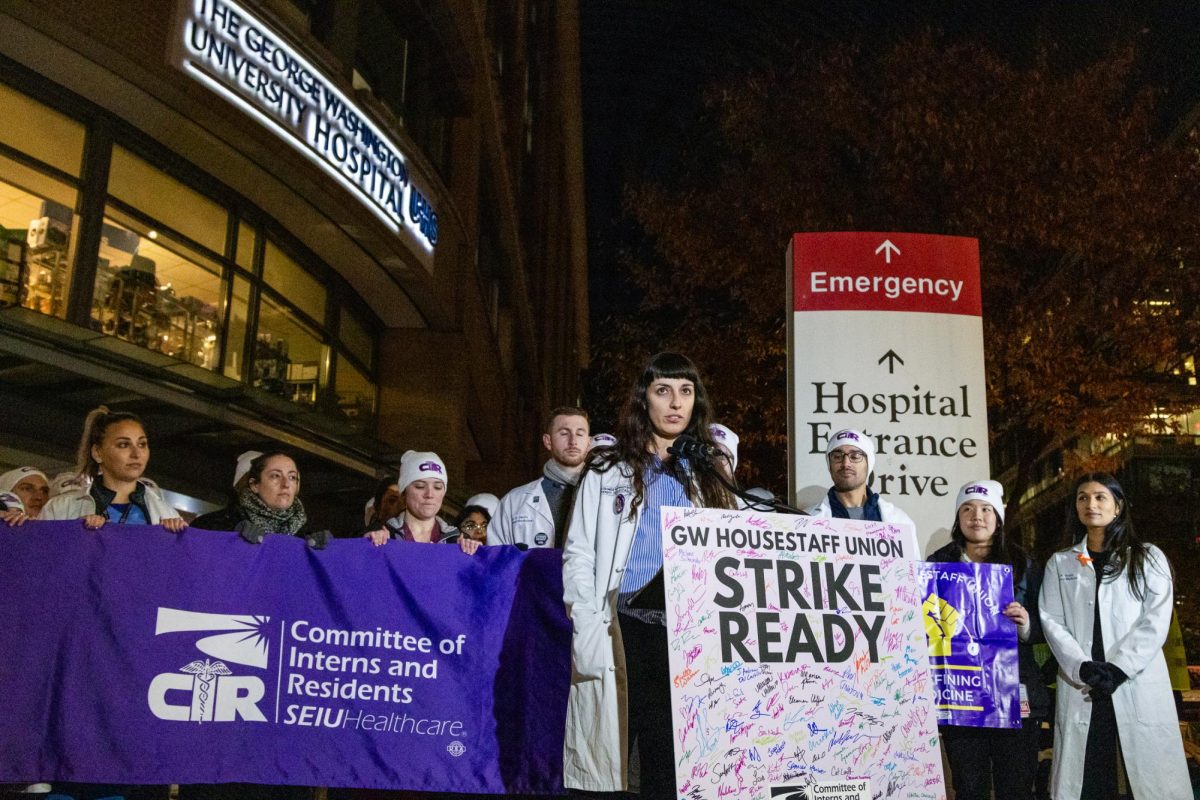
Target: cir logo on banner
point(207, 689)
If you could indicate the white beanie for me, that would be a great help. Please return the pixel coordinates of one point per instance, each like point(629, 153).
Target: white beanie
point(243, 464)
point(416, 465)
point(604, 440)
point(10, 479)
point(853, 438)
point(485, 501)
point(66, 481)
point(725, 436)
point(11, 501)
point(990, 492)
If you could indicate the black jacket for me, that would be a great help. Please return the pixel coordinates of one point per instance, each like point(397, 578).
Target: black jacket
point(227, 519)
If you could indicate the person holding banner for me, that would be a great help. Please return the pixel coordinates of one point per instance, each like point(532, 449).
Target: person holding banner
point(612, 582)
point(113, 453)
point(1106, 607)
point(981, 757)
point(423, 488)
point(266, 499)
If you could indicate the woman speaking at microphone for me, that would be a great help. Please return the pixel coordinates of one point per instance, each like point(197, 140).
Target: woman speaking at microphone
point(613, 552)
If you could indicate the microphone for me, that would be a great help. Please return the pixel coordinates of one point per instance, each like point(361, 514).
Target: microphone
point(693, 449)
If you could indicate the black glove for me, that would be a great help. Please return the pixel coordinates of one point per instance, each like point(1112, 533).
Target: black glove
point(1102, 678)
point(318, 539)
point(250, 532)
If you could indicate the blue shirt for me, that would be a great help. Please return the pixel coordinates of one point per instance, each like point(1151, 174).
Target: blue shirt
point(126, 514)
point(661, 488)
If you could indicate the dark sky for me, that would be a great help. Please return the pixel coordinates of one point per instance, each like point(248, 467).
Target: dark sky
point(645, 63)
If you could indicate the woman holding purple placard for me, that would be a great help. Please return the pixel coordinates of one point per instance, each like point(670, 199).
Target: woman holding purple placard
point(980, 756)
point(1106, 607)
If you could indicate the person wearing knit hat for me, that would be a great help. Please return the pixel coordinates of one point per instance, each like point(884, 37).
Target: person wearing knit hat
point(488, 502)
point(243, 466)
point(604, 440)
point(850, 457)
point(476, 515)
point(30, 485)
point(422, 483)
point(727, 443)
point(981, 758)
point(535, 514)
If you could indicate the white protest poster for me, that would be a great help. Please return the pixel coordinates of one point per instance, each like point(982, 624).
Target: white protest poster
point(798, 659)
point(885, 335)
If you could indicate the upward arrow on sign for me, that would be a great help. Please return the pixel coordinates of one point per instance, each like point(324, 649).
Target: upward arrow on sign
point(891, 357)
point(888, 248)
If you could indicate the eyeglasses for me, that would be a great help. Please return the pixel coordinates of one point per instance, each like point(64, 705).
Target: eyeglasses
point(471, 527)
point(853, 456)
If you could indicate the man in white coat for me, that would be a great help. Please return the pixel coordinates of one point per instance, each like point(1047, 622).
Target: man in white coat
point(535, 514)
point(850, 456)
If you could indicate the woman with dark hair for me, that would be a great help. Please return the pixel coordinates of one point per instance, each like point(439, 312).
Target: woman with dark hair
point(113, 454)
point(980, 756)
point(266, 500)
point(1106, 607)
point(613, 552)
point(386, 503)
point(472, 522)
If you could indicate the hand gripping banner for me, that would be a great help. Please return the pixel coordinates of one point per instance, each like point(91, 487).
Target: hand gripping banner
point(137, 656)
point(972, 645)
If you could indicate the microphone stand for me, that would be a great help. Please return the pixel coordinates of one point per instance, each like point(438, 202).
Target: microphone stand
point(703, 456)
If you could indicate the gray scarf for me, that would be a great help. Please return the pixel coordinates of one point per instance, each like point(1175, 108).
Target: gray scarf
point(273, 520)
point(560, 474)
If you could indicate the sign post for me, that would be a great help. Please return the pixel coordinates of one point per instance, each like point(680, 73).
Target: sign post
point(886, 336)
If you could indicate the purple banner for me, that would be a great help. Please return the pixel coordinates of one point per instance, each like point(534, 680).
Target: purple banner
point(134, 655)
point(972, 645)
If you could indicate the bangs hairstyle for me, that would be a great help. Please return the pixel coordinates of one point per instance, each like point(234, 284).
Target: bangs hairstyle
point(1002, 551)
point(635, 434)
point(95, 426)
point(1129, 553)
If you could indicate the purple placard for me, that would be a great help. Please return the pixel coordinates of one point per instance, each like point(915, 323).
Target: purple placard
point(134, 655)
point(972, 645)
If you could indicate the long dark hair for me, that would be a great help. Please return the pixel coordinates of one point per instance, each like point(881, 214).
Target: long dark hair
point(1002, 551)
point(635, 434)
point(1128, 552)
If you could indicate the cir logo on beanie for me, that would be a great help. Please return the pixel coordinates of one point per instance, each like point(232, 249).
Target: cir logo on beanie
point(856, 439)
point(990, 492)
point(726, 438)
point(415, 466)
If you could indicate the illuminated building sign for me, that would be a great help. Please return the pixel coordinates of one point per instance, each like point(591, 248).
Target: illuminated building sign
point(229, 50)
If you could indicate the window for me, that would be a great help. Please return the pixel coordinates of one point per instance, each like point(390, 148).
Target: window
point(256, 310)
point(290, 359)
point(288, 278)
point(158, 293)
point(136, 183)
point(40, 133)
point(37, 239)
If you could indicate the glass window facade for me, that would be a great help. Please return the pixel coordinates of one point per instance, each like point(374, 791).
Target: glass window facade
point(178, 271)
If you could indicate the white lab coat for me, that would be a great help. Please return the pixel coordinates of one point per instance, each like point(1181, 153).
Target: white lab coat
point(599, 538)
point(890, 513)
point(1134, 631)
point(523, 517)
point(77, 502)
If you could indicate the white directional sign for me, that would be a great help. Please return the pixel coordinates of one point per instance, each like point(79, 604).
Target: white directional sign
point(886, 336)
